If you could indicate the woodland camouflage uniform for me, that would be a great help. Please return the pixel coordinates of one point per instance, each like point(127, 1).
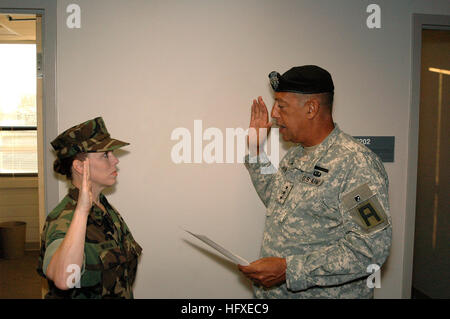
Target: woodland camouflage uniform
point(110, 251)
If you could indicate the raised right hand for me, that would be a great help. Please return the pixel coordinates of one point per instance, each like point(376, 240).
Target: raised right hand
point(85, 197)
point(259, 120)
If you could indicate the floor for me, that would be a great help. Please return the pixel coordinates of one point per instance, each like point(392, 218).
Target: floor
point(19, 279)
point(417, 294)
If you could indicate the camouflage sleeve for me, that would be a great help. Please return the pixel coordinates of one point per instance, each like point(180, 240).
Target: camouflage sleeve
point(54, 231)
point(366, 236)
point(57, 228)
point(261, 172)
point(50, 251)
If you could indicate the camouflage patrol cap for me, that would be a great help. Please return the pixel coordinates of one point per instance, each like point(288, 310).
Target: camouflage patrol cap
point(87, 137)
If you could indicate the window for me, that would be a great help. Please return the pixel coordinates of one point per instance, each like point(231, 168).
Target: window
point(18, 121)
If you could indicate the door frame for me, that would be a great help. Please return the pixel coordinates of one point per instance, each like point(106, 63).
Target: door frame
point(47, 8)
point(419, 22)
point(47, 115)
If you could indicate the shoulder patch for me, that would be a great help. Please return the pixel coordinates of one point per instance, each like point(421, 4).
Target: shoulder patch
point(365, 209)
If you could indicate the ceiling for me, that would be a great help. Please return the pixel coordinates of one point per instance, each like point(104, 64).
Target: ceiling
point(13, 30)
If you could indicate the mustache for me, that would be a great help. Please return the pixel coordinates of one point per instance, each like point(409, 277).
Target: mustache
point(275, 123)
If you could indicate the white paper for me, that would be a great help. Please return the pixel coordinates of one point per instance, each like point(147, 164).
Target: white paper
point(233, 257)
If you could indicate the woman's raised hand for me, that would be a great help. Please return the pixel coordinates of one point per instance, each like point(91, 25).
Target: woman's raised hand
point(85, 197)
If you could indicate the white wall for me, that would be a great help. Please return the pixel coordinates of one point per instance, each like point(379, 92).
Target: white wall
point(149, 67)
point(19, 202)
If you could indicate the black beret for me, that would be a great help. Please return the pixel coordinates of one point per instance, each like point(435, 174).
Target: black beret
point(306, 79)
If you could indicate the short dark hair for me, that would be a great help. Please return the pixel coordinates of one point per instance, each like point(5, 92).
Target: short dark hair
point(64, 166)
point(328, 100)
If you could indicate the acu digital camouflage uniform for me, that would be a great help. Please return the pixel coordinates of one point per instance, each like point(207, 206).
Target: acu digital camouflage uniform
point(110, 251)
point(327, 215)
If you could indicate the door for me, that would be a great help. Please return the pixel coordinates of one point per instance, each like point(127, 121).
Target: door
point(21, 145)
point(431, 266)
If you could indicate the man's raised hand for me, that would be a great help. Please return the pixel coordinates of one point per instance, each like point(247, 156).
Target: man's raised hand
point(259, 127)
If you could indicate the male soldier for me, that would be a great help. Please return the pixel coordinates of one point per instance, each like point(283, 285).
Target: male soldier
point(327, 214)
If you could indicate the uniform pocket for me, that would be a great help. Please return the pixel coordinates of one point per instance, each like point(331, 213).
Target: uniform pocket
point(311, 214)
point(365, 209)
point(132, 248)
point(114, 273)
point(112, 257)
point(329, 201)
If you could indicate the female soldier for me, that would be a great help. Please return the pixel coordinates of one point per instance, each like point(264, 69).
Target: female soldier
point(87, 250)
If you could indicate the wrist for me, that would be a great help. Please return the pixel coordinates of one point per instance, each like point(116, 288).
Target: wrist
point(81, 212)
